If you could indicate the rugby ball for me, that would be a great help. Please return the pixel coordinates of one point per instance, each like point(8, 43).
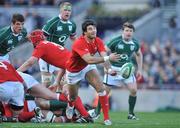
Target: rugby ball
point(127, 70)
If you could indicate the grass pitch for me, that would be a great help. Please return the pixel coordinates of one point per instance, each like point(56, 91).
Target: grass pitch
point(119, 119)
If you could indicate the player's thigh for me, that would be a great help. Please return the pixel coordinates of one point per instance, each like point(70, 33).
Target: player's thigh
point(112, 81)
point(93, 77)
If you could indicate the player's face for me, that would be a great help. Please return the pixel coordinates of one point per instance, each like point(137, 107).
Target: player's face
point(127, 33)
point(91, 32)
point(65, 12)
point(17, 27)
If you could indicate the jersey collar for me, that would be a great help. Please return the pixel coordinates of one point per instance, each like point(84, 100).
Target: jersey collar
point(127, 42)
point(65, 22)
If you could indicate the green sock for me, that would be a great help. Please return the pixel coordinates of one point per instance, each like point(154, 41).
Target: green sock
point(98, 108)
point(29, 97)
point(57, 105)
point(132, 102)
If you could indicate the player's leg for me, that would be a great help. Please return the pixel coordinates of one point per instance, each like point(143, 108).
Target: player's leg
point(94, 79)
point(13, 93)
point(52, 105)
point(132, 87)
point(46, 75)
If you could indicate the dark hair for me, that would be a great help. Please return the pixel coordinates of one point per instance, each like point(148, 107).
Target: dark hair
point(128, 25)
point(17, 17)
point(86, 23)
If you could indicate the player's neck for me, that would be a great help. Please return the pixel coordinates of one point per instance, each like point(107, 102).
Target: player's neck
point(89, 40)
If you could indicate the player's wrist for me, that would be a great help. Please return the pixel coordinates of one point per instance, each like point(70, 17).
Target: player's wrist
point(106, 58)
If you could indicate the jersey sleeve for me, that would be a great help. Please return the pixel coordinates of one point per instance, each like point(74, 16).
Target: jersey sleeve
point(3, 36)
point(38, 52)
point(73, 33)
point(137, 45)
point(48, 27)
point(111, 44)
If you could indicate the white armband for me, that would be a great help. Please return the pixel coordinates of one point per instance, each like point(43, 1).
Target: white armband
point(106, 58)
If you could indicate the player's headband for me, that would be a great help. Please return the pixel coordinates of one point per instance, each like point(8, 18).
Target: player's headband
point(67, 7)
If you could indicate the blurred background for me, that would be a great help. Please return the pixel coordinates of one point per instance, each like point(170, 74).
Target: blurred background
point(157, 29)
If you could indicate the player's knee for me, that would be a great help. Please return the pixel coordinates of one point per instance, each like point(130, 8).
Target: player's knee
point(133, 92)
point(102, 93)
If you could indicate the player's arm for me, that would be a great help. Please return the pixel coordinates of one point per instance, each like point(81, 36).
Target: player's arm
point(107, 64)
point(29, 63)
point(139, 60)
point(59, 78)
point(96, 60)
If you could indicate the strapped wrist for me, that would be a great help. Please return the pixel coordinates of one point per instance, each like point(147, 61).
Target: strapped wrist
point(106, 58)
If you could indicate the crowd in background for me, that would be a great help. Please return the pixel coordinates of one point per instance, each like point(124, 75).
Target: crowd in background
point(161, 65)
point(34, 2)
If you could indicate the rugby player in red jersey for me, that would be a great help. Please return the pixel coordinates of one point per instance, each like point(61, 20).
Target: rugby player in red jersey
point(81, 65)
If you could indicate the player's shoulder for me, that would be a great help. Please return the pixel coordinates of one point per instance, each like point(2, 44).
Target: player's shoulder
point(24, 31)
point(135, 40)
point(72, 22)
point(115, 40)
point(53, 20)
point(79, 41)
point(99, 40)
point(5, 30)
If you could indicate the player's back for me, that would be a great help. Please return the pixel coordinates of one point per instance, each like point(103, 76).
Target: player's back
point(52, 53)
point(8, 73)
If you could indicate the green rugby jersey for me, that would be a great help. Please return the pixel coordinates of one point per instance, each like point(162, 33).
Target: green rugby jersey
point(125, 49)
point(9, 40)
point(59, 30)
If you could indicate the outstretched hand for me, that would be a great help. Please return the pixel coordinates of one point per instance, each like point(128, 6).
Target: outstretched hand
point(114, 57)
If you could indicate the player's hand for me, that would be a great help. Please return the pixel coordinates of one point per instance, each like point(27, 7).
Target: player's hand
point(139, 74)
point(114, 57)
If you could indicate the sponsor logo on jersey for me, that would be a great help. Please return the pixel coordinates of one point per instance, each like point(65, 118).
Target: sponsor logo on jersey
point(19, 38)
point(70, 28)
point(59, 28)
point(120, 46)
point(132, 47)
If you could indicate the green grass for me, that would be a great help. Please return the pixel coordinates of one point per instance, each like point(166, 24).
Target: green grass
point(119, 119)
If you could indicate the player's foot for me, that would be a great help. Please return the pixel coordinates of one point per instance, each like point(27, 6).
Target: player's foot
point(77, 113)
point(38, 112)
point(39, 117)
point(93, 114)
point(107, 122)
point(132, 117)
point(69, 112)
point(85, 120)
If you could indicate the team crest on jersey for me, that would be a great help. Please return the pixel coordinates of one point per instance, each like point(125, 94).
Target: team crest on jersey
point(70, 28)
point(59, 28)
point(10, 41)
point(120, 46)
point(132, 47)
point(19, 38)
